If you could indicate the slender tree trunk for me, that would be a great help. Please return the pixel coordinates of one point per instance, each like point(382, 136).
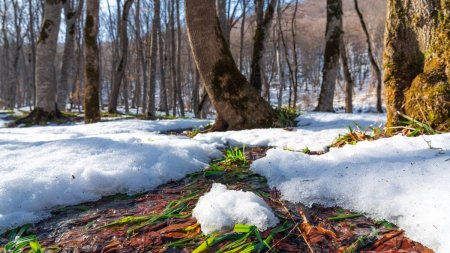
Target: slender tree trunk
point(348, 79)
point(151, 113)
point(222, 14)
point(163, 105)
point(121, 66)
point(45, 57)
point(241, 42)
point(372, 59)
point(179, 88)
point(238, 103)
point(67, 67)
point(33, 51)
point(333, 36)
point(91, 59)
point(263, 22)
point(173, 69)
point(417, 62)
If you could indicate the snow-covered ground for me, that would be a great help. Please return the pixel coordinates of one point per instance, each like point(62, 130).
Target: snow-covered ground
point(45, 167)
point(315, 131)
point(405, 180)
point(221, 209)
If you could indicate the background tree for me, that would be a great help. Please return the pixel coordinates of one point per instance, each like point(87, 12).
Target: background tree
point(123, 57)
point(151, 113)
point(45, 64)
point(238, 103)
point(417, 62)
point(333, 37)
point(91, 58)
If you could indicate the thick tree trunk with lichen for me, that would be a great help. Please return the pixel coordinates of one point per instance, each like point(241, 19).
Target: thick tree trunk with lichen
point(238, 103)
point(45, 56)
point(417, 61)
point(91, 59)
point(333, 36)
point(67, 67)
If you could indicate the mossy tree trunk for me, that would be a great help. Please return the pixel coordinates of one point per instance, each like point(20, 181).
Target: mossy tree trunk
point(151, 113)
point(417, 61)
point(91, 59)
point(333, 36)
point(237, 102)
point(45, 56)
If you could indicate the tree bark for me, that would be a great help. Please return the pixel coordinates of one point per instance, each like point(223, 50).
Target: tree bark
point(238, 103)
point(45, 57)
point(417, 62)
point(151, 113)
point(242, 31)
point(120, 70)
point(333, 36)
point(67, 66)
point(179, 88)
point(348, 79)
point(163, 104)
point(372, 59)
point(91, 59)
point(263, 21)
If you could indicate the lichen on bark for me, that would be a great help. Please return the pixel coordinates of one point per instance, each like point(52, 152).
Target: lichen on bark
point(417, 62)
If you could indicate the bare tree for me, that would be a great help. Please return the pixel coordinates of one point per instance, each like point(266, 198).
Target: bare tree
point(372, 59)
point(123, 57)
point(333, 37)
point(153, 60)
point(67, 67)
point(263, 21)
point(91, 59)
point(238, 103)
point(45, 66)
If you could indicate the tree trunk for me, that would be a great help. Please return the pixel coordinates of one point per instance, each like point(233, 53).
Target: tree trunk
point(372, 59)
point(179, 88)
point(67, 66)
point(417, 62)
point(45, 57)
point(163, 105)
point(91, 60)
point(242, 31)
point(223, 19)
point(151, 113)
point(333, 36)
point(238, 103)
point(263, 22)
point(120, 70)
point(348, 79)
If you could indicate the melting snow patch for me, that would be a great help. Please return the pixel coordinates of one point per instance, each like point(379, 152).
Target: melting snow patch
point(221, 209)
point(405, 180)
point(315, 131)
point(45, 167)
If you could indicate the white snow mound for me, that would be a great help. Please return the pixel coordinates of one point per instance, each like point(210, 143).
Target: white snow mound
point(402, 179)
point(46, 167)
point(221, 209)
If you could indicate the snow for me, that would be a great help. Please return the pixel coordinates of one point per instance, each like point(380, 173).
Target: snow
point(45, 167)
point(405, 180)
point(220, 209)
point(314, 131)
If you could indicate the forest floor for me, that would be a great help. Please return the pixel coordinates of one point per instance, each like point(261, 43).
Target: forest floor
point(160, 220)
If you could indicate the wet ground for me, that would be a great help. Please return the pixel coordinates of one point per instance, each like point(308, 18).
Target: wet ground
point(160, 221)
